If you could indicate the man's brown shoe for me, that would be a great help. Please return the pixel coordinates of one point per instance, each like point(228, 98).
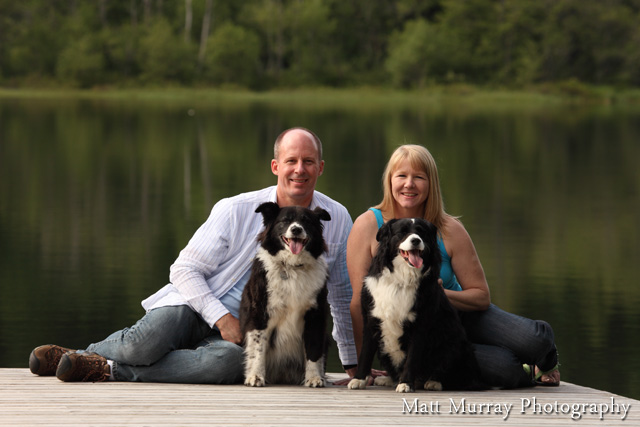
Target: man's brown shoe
point(44, 360)
point(83, 367)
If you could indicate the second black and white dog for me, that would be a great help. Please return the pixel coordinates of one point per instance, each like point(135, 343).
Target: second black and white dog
point(283, 310)
point(408, 319)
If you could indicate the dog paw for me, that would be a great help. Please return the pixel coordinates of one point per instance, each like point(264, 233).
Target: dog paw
point(356, 384)
point(384, 381)
point(314, 382)
point(433, 385)
point(254, 381)
point(403, 388)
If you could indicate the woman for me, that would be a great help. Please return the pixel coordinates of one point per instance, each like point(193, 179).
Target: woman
point(512, 351)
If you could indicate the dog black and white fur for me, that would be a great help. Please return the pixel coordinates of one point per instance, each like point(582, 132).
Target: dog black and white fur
point(408, 319)
point(283, 311)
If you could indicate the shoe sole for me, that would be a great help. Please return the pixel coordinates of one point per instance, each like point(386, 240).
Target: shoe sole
point(34, 366)
point(63, 367)
point(41, 366)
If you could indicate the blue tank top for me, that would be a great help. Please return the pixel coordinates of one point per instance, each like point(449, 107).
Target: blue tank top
point(449, 280)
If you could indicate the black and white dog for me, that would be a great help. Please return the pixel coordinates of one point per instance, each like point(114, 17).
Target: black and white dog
point(283, 310)
point(408, 319)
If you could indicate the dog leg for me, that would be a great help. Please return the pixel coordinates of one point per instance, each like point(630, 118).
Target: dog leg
point(412, 368)
point(356, 384)
point(315, 344)
point(313, 375)
point(384, 381)
point(404, 388)
point(433, 385)
point(255, 348)
point(369, 349)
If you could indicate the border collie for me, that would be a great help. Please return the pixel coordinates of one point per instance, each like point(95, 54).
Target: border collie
point(283, 310)
point(408, 319)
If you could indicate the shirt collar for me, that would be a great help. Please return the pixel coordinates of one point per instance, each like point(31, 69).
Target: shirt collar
point(273, 197)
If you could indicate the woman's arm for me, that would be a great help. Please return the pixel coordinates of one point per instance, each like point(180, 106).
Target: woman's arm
point(361, 246)
point(466, 266)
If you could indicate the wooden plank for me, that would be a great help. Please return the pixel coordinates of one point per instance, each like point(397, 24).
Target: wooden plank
point(26, 399)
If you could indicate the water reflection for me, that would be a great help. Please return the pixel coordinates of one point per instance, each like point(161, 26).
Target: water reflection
point(97, 198)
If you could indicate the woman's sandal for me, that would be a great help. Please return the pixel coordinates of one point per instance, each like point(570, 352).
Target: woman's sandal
point(536, 377)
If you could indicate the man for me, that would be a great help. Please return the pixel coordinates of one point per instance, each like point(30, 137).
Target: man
point(191, 332)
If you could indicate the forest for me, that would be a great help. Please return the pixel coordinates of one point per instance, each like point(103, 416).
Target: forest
point(270, 44)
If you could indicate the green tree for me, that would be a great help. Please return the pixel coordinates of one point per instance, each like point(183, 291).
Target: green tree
point(321, 42)
point(590, 41)
point(469, 30)
point(164, 55)
point(410, 53)
point(424, 53)
point(267, 17)
point(31, 38)
point(459, 46)
point(312, 56)
point(362, 31)
point(233, 56)
point(567, 45)
point(81, 62)
point(630, 72)
point(121, 50)
point(518, 39)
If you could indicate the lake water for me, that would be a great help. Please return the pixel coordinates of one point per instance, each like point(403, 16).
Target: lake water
point(98, 197)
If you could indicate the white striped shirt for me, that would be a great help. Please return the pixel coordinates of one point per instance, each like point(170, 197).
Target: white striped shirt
point(222, 250)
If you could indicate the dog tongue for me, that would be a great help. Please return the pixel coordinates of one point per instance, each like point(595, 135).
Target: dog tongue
point(295, 245)
point(415, 259)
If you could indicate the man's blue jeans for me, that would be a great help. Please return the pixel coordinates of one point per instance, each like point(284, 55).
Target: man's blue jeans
point(504, 341)
point(172, 345)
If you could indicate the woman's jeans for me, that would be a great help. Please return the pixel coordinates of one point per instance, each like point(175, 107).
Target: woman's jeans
point(504, 341)
point(172, 345)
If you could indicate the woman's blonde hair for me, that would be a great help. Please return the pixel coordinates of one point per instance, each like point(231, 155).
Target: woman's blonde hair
point(421, 159)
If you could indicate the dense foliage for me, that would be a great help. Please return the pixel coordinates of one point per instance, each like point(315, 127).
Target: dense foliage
point(262, 44)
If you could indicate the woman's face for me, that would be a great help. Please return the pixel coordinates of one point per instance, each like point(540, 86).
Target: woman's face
point(409, 188)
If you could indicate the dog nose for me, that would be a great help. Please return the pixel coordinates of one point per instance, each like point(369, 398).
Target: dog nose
point(415, 241)
point(295, 230)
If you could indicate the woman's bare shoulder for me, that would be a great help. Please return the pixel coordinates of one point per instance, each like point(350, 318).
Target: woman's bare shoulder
point(454, 230)
point(366, 220)
point(361, 244)
point(364, 227)
point(453, 224)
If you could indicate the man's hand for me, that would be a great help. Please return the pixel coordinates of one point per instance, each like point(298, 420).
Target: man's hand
point(229, 328)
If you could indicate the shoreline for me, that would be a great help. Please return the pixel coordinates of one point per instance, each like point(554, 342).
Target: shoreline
point(437, 96)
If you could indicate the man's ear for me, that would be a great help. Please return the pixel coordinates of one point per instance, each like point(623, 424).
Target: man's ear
point(274, 166)
point(321, 167)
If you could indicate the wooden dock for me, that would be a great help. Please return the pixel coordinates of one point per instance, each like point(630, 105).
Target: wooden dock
point(26, 399)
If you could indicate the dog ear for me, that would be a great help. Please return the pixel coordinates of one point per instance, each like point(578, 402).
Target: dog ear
point(432, 230)
point(431, 248)
point(269, 211)
point(322, 214)
point(385, 230)
point(384, 236)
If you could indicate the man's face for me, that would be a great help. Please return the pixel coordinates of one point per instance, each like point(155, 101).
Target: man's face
point(298, 167)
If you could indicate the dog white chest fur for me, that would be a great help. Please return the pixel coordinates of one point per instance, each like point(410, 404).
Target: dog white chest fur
point(394, 295)
point(294, 282)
